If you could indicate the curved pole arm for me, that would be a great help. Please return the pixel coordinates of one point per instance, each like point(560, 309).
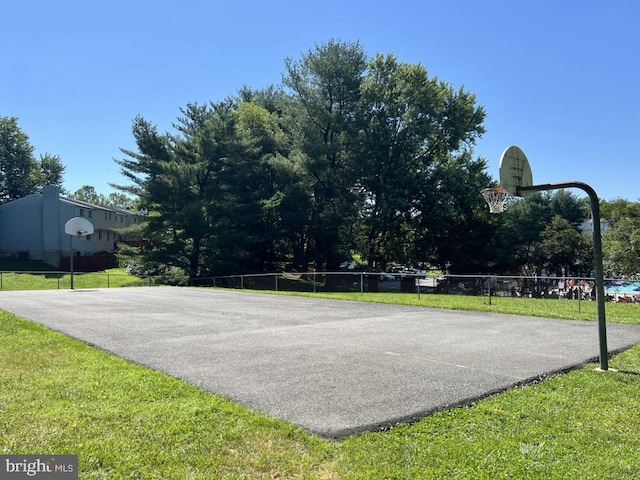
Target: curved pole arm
point(597, 256)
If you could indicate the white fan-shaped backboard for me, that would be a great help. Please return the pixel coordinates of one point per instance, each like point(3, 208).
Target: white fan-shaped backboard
point(515, 170)
point(78, 226)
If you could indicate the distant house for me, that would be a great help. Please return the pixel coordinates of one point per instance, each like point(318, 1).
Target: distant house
point(32, 227)
point(587, 226)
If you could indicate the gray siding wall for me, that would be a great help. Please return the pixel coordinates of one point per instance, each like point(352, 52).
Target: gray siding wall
point(51, 219)
point(22, 225)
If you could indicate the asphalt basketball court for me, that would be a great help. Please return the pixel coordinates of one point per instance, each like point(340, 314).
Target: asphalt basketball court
point(332, 367)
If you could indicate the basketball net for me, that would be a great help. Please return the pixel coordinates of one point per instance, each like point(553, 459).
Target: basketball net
point(496, 198)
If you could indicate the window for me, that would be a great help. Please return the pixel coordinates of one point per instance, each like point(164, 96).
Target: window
point(82, 212)
point(90, 213)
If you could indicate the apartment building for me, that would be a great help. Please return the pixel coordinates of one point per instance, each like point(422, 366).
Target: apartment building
point(33, 227)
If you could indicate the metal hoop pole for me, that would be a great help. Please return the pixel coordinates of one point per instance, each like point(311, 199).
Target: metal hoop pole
point(597, 257)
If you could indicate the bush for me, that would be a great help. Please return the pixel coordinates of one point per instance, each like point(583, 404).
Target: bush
point(160, 274)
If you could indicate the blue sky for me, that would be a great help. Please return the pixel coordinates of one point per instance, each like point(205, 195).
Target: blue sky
point(558, 78)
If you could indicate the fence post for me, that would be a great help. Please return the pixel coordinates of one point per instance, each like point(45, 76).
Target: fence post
point(276, 275)
point(361, 283)
point(579, 295)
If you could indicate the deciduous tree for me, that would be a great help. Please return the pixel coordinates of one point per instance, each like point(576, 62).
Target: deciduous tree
point(537, 218)
point(416, 171)
point(621, 238)
point(565, 250)
point(18, 167)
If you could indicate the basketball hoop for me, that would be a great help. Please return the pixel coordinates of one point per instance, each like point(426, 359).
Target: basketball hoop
point(496, 198)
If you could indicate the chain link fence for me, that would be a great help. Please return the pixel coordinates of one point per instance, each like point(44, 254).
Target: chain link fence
point(573, 288)
point(52, 280)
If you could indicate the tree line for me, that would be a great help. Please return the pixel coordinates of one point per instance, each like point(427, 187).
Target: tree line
point(349, 158)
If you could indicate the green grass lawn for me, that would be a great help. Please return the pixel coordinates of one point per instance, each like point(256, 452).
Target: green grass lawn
point(29, 280)
point(550, 308)
point(124, 421)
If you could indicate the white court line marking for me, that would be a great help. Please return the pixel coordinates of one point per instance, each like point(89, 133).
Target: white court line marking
point(431, 360)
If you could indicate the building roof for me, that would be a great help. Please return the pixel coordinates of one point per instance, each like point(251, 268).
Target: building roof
point(79, 203)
